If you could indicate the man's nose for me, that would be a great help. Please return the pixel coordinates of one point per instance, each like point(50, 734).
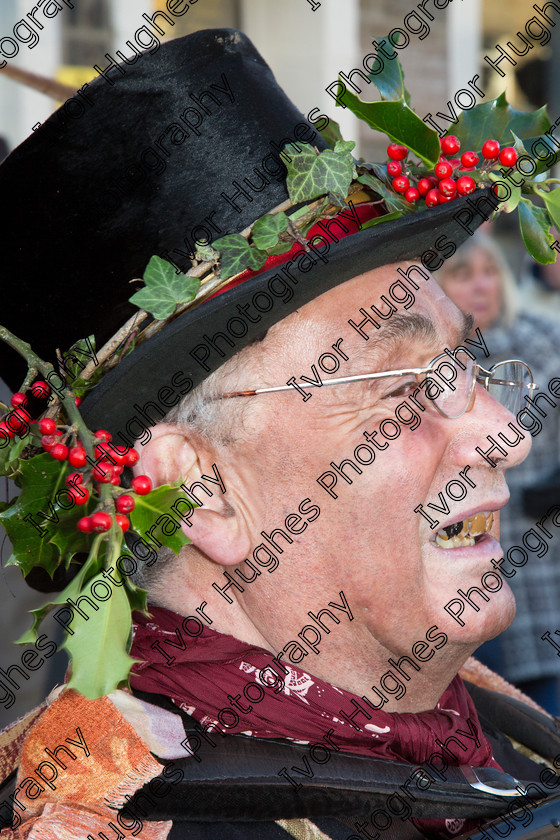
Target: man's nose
point(490, 434)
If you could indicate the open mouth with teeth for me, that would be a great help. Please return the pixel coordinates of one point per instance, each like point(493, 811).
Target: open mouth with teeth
point(464, 533)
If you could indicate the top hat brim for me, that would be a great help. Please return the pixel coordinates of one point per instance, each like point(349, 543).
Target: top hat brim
point(142, 388)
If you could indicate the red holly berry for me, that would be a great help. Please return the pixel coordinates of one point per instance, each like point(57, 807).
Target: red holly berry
point(48, 441)
point(447, 186)
point(116, 480)
point(125, 504)
point(5, 430)
point(122, 522)
point(443, 169)
point(396, 152)
point(141, 484)
point(78, 402)
point(19, 419)
point(103, 472)
point(433, 197)
point(424, 186)
point(102, 434)
point(394, 168)
point(491, 149)
point(74, 478)
point(450, 145)
point(47, 426)
point(18, 399)
point(77, 456)
point(401, 184)
point(469, 159)
point(101, 522)
point(466, 185)
point(59, 452)
point(79, 495)
point(40, 389)
point(119, 454)
point(412, 195)
point(84, 525)
point(508, 156)
point(132, 458)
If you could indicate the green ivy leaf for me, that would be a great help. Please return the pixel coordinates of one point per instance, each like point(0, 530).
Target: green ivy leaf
point(400, 123)
point(98, 646)
point(534, 223)
point(164, 289)
point(155, 510)
point(552, 204)
point(497, 120)
point(237, 255)
point(205, 253)
point(267, 230)
point(331, 134)
point(311, 175)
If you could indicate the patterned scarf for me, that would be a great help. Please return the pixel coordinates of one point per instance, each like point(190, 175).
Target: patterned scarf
point(235, 687)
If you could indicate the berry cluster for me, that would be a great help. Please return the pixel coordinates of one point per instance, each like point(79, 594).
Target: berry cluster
point(106, 469)
point(19, 419)
point(446, 184)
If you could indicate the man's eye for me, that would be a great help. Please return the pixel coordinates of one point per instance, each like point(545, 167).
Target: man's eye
point(402, 390)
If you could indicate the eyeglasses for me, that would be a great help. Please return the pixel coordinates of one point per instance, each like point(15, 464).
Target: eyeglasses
point(447, 382)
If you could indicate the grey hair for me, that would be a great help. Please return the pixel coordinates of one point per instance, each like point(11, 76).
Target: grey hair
point(219, 423)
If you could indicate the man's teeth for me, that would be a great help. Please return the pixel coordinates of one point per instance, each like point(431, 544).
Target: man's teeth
point(464, 533)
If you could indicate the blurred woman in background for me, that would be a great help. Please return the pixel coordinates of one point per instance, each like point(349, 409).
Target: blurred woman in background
point(478, 279)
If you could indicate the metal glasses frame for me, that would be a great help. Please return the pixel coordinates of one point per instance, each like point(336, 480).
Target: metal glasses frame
point(480, 374)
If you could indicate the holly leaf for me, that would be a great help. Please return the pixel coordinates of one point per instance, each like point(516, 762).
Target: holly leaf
point(535, 223)
point(509, 205)
point(497, 120)
point(98, 645)
point(388, 217)
point(399, 123)
point(154, 512)
point(267, 230)
point(393, 200)
point(237, 255)
point(73, 590)
point(41, 478)
point(77, 357)
point(552, 204)
point(390, 81)
point(9, 455)
point(164, 289)
point(311, 175)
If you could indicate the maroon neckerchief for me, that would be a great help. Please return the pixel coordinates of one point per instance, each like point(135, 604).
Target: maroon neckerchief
point(296, 705)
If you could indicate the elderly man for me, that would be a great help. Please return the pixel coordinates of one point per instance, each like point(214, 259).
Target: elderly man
point(345, 464)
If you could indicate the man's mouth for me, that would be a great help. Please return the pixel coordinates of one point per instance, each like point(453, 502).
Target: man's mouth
point(465, 532)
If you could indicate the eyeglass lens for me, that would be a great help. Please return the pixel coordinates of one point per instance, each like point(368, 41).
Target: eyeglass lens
point(453, 384)
point(510, 384)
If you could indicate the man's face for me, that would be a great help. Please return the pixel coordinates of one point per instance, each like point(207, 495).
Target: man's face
point(369, 541)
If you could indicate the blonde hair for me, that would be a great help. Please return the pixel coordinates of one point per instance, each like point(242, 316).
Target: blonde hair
point(483, 242)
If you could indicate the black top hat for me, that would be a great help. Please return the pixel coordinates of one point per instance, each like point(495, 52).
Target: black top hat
point(180, 145)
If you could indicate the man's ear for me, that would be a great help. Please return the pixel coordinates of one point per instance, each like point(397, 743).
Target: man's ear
point(215, 526)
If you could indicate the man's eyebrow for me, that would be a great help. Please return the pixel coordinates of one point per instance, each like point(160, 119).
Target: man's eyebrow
point(414, 327)
point(468, 324)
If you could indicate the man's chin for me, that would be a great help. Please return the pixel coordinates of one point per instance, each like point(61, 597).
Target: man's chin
point(493, 618)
